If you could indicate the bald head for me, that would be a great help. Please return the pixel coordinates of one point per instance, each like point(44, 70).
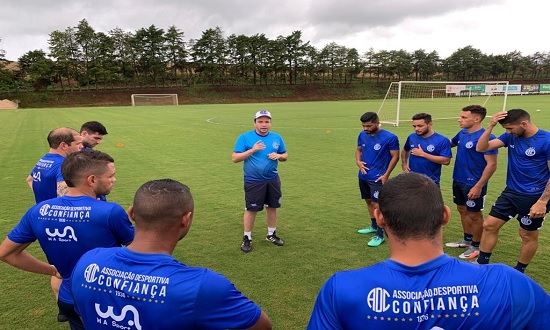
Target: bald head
point(60, 135)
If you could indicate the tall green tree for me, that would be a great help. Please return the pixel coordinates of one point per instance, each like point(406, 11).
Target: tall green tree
point(65, 52)
point(176, 52)
point(37, 68)
point(149, 45)
point(209, 54)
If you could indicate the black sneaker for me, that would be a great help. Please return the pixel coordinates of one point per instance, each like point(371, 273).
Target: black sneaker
point(246, 245)
point(61, 317)
point(274, 239)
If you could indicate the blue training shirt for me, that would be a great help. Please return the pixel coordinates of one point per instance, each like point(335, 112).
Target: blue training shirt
point(67, 227)
point(45, 176)
point(258, 167)
point(437, 145)
point(469, 164)
point(117, 288)
point(375, 152)
point(527, 162)
point(444, 293)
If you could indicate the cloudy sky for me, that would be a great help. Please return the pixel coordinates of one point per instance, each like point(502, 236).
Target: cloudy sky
point(492, 26)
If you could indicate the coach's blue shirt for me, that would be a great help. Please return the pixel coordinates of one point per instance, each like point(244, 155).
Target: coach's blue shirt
point(120, 288)
point(444, 293)
point(67, 227)
point(469, 164)
point(528, 159)
point(258, 167)
point(45, 176)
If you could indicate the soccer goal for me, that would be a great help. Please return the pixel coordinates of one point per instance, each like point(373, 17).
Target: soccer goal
point(441, 99)
point(154, 99)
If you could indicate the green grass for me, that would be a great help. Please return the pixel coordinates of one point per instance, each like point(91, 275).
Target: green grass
point(321, 209)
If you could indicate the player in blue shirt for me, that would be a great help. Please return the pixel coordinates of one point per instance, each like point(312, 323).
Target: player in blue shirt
point(527, 191)
point(45, 179)
point(142, 286)
point(425, 150)
point(471, 173)
point(420, 287)
point(68, 226)
point(92, 133)
point(376, 155)
point(261, 150)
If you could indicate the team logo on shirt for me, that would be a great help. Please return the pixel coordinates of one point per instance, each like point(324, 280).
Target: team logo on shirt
point(275, 145)
point(377, 146)
point(430, 148)
point(530, 152)
point(67, 235)
point(90, 273)
point(469, 145)
point(110, 314)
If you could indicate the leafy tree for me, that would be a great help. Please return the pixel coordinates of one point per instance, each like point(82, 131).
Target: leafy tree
point(39, 69)
point(124, 57)
point(209, 54)
point(176, 53)
point(64, 49)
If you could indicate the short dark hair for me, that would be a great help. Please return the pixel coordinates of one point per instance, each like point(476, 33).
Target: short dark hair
point(477, 110)
point(412, 206)
point(515, 116)
point(158, 203)
point(80, 164)
point(94, 127)
point(62, 134)
point(370, 117)
point(423, 116)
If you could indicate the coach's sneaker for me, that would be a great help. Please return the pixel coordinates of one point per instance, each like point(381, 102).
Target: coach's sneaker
point(470, 253)
point(246, 245)
point(368, 230)
point(459, 244)
point(375, 241)
point(274, 239)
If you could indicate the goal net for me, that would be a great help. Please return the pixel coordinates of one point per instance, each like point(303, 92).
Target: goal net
point(154, 99)
point(441, 99)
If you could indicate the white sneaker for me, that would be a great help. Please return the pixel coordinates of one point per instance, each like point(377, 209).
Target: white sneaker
point(459, 244)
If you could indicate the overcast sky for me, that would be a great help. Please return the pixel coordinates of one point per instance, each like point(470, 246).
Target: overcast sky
point(492, 26)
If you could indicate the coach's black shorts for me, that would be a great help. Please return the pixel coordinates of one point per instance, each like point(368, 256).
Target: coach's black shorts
point(258, 194)
point(460, 197)
point(369, 190)
point(75, 323)
point(510, 203)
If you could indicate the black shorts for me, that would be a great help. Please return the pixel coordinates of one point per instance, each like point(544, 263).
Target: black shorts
point(460, 197)
point(369, 190)
point(75, 323)
point(511, 204)
point(258, 194)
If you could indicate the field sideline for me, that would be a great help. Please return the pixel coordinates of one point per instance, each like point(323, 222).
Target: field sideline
point(321, 208)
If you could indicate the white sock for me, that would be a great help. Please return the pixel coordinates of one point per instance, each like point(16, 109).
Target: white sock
point(249, 234)
point(270, 230)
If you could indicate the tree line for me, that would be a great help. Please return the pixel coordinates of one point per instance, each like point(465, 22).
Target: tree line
point(81, 57)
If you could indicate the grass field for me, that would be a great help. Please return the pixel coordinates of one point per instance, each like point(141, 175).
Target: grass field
point(321, 209)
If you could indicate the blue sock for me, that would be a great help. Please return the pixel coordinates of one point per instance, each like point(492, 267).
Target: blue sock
point(373, 223)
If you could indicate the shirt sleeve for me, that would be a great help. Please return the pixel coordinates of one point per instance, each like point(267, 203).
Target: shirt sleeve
point(324, 315)
point(220, 305)
point(120, 224)
point(530, 303)
point(23, 233)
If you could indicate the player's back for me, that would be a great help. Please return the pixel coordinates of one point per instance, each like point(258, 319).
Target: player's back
point(45, 175)
point(445, 292)
point(155, 291)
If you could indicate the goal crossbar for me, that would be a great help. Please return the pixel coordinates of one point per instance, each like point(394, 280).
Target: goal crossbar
point(405, 98)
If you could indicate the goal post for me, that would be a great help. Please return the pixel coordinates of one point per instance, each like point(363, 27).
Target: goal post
point(154, 99)
point(441, 99)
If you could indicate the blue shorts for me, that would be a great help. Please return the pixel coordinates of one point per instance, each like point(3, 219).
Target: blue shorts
point(369, 190)
point(460, 197)
point(511, 204)
point(258, 194)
